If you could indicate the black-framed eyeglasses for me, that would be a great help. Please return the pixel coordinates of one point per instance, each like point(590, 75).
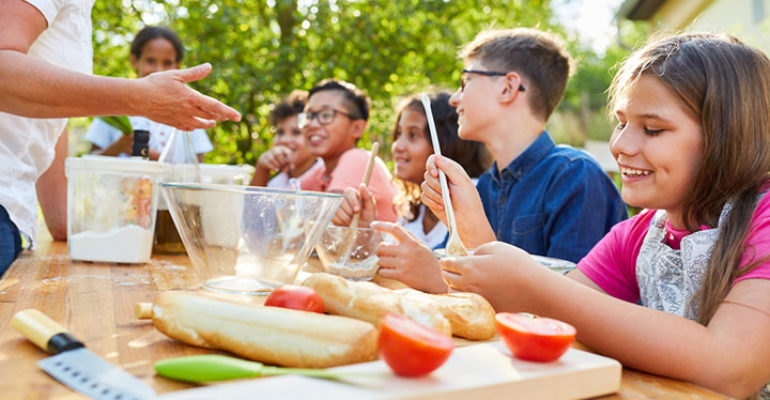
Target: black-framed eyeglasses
point(325, 116)
point(485, 73)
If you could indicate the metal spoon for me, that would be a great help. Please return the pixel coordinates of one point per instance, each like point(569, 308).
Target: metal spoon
point(455, 245)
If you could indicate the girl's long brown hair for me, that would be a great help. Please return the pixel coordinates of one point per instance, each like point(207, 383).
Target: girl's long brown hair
point(725, 84)
point(473, 156)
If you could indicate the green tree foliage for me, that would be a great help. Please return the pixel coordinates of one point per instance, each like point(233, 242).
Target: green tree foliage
point(582, 114)
point(263, 49)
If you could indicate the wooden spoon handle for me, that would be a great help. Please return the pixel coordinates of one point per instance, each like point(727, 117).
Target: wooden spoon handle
point(367, 176)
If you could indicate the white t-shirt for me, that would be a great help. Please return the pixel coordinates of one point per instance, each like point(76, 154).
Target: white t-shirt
point(281, 180)
point(26, 144)
point(103, 134)
point(431, 239)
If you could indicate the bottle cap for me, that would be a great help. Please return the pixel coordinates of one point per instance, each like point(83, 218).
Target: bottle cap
point(141, 146)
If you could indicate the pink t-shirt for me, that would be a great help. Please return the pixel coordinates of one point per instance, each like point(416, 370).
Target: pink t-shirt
point(349, 173)
point(611, 264)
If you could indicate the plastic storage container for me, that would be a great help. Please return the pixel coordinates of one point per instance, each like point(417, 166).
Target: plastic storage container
point(111, 207)
point(167, 238)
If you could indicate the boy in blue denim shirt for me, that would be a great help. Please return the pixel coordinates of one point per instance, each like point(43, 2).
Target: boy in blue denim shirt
point(548, 200)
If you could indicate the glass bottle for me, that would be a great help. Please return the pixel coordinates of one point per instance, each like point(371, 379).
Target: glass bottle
point(180, 159)
point(181, 165)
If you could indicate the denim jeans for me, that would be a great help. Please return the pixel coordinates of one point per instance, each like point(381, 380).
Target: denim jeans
point(10, 241)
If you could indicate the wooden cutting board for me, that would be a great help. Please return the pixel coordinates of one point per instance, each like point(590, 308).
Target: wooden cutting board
point(481, 371)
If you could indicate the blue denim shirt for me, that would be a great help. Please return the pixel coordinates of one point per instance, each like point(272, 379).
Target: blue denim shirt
point(551, 201)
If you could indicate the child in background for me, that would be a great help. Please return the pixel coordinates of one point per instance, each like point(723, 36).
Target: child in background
point(549, 200)
point(335, 117)
point(154, 49)
point(689, 279)
point(289, 153)
point(410, 150)
point(418, 230)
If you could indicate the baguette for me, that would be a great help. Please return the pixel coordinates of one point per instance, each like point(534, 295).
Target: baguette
point(369, 302)
point(271, 335)
point(469, 315)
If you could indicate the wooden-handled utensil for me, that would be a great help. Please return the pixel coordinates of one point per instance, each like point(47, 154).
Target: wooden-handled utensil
point(350, 236)
point(74, 365)
point(367, 176)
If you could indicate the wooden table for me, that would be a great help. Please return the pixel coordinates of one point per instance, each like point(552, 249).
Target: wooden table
point(96, 303)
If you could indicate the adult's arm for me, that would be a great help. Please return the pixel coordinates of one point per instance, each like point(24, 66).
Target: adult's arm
point(52, 192)
point(35, 88)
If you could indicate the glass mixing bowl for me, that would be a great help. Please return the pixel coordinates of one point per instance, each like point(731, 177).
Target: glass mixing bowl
point(245, 239)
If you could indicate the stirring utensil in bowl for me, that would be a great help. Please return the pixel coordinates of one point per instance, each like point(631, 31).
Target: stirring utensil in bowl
point(350, 237)
point(367, 176)
point(455, 245)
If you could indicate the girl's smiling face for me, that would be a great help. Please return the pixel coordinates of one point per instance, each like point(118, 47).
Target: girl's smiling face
point(658, 146)
point(411, 147)
point(157, 55)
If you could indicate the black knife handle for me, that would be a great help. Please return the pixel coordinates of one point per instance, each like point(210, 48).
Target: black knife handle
point(44, 332)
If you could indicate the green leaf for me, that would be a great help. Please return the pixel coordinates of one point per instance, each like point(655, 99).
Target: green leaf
point(120, 123)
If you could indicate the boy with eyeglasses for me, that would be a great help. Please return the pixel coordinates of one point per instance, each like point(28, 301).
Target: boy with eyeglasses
point(549, 200)
point(335, 117)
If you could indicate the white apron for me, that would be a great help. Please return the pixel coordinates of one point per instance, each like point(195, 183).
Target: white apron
point(669, 278)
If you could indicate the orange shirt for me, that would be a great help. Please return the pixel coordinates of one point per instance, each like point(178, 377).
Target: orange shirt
point(349, 173)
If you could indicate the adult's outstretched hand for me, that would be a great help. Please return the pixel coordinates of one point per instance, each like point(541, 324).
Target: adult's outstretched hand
point(166, 98)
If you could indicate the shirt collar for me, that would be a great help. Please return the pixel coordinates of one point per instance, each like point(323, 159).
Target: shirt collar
point(527, 160)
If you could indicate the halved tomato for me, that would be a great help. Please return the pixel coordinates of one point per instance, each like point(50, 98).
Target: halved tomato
point(411, 349)
point(533, 338)
point(296, 297)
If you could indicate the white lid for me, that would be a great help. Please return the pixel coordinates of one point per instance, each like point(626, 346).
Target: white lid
point(225, 170)
point(112, 164)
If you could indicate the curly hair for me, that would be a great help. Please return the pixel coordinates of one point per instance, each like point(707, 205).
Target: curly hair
point(288, 107)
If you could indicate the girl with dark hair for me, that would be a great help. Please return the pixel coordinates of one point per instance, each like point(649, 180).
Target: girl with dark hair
point(682, 289)
point(417, 231)
point(410, 150)
point(154, 49)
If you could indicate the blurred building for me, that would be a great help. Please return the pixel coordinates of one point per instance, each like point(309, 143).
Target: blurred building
point(746, 19)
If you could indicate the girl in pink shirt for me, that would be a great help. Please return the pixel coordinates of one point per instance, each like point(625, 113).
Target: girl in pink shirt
point(682, 289)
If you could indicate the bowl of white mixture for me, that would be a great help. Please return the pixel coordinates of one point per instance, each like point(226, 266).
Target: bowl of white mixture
point(349, 252)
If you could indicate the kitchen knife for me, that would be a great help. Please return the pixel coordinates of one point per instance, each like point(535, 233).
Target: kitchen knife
point(76, 366)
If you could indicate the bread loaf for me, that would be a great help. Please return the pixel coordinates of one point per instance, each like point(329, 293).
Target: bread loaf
point(467, 315)
point(267, 334)
point(470, 314)
point(369, 302)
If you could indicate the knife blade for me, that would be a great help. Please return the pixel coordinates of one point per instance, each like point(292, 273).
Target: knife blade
point(76, 366)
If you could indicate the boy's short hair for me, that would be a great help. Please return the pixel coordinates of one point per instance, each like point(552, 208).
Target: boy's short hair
point(355, 100)
point(288, 107)
point(539, 56)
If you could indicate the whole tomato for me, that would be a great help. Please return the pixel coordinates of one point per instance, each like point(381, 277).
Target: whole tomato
point(533, 338)
point(296, 297)
point(411, 349)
